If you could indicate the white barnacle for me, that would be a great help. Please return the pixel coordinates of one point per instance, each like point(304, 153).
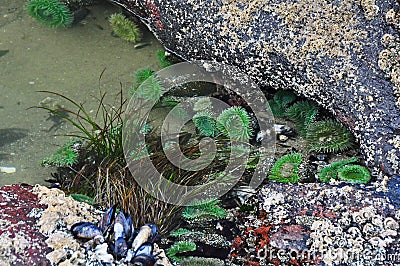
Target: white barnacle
point(375, 241)
point(358, 217)
point(368, 229)
point(388, 232)
point(357, 248)
point(390, 223)
point(354, 232)
point(317, 225)
point(328, 240)
point(377, 220)
point(344, 221)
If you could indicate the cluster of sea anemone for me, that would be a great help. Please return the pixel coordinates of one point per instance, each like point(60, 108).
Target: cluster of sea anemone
point(346, 171)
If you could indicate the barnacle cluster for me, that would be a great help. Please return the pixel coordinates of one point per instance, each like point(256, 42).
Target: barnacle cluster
point(61, 212)
point(344, 226)
point(389, 62)
point(357, 237)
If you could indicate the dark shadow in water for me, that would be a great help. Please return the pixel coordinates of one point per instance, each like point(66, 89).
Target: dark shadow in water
point(57, 120)
point(10, 135)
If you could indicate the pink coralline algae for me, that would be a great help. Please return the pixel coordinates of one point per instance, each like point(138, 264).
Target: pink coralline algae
point(21, 243)
point(155, 14)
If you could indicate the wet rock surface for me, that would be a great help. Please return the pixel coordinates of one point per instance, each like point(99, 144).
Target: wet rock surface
point(340, 54)
point(319, 224)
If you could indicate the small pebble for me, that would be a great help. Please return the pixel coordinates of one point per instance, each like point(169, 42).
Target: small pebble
point(283, 138)
point(8, 169)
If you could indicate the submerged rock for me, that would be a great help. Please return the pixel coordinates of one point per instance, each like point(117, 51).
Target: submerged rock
point(340, 54)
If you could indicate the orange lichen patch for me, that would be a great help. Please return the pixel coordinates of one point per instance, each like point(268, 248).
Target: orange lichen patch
point(263, 231)
point(237, 242)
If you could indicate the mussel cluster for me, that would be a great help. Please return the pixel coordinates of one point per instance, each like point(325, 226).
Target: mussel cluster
point(115, 238)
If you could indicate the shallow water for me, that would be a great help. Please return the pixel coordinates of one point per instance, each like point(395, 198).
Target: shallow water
point(69, 61)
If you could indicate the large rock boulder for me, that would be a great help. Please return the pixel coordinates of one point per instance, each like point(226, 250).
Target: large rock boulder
point(343, 54)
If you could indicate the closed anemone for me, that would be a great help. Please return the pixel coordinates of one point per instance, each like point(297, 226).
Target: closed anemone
point(328, 136)
point(354, 174)
point(50, 12)
point(286, 168)
point(234, 122)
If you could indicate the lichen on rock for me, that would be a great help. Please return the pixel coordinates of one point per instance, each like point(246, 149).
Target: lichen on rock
point(62, 210)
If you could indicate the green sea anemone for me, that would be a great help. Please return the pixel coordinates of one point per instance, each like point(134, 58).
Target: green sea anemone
point(234, 122)
point(66, 156)
point(331, 171)
point(302, 114)
point(328, 136)
point(354, 174)
point(180, 247)
point(206, 124)
point(285, 169)
point(204, 209)
point(124, 28)
point(52, 13)
point(150, 90)
point(281, 100)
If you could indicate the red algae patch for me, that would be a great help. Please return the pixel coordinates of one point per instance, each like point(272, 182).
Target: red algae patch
point(21, 243)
